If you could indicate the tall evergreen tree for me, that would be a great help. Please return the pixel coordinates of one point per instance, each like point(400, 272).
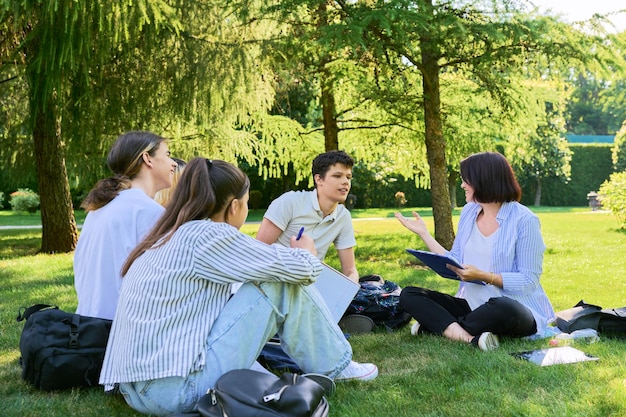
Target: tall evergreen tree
point(57, 43)
point(488, 42)
point(95, 69)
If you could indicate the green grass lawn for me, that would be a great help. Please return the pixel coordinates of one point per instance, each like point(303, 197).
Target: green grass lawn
point(419, 376)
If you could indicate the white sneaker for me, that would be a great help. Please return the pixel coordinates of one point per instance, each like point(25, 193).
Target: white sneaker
point(415, 329)
point(358, 372)
point(487, 341)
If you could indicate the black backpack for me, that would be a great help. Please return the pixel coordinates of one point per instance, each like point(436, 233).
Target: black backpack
point(588, 316)
point(379, 300)
point(61, 350)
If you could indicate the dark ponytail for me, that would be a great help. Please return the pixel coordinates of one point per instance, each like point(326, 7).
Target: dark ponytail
point(125, 160)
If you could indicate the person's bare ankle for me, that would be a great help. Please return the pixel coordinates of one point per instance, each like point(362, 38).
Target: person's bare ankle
point(455, 332)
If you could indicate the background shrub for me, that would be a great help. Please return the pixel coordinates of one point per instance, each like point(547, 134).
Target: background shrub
point(619, 150)
point(255, 199)
point(24, 200)
point(613, 196)
point(591, 166)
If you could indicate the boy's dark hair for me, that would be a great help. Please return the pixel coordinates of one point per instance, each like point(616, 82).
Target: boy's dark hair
point(323, 162)
point(491, 177)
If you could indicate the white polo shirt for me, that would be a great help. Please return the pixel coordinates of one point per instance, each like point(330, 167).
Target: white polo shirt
point(296, 209)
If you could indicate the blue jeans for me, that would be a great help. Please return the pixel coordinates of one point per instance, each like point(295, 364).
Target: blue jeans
point(256, 312)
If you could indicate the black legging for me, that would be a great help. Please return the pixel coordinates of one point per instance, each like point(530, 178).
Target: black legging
point(435, 311)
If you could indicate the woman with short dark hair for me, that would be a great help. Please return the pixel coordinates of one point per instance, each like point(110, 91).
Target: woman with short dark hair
point(499, 244)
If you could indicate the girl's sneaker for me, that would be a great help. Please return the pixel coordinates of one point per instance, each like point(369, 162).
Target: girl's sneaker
point(415, 329)
point(486, 341)
point(358, 372)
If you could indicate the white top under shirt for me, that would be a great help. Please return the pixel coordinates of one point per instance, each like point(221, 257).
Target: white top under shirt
point(478, 250)
point(296, 209)
point(107, 237)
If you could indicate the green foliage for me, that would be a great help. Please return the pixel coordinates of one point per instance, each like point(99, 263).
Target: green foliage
point(255, 199)
point(612, 195)
point(206, 74)
point(619, 150)
point(375, 186)
point(590, 166)
point(24, 200)
point(598, 102)
point(596, 106)
point(542, 152)
point(190, 71)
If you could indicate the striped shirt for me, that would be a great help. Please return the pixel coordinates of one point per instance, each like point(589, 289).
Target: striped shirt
point(517, 255)
point(172, 295)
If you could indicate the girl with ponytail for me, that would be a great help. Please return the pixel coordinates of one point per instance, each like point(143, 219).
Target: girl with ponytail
point(120, 211)
point(177, 329)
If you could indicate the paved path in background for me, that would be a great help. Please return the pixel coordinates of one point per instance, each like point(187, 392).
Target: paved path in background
point(22, 227)
point(38, 226)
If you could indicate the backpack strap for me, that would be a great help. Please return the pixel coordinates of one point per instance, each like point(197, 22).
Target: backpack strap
point(582, 303)
point(73, 343)
point(24, 313)
point(371, 277)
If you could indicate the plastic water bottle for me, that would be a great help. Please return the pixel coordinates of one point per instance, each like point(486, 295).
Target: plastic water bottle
point(577, 336)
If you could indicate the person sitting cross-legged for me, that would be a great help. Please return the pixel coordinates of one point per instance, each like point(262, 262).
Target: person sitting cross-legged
point(176, 300)
point(498, 243)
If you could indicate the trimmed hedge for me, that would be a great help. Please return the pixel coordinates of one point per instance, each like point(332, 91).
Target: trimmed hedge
point(591, 166)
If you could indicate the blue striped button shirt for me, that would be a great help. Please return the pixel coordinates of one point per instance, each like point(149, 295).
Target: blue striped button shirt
point(172, 295)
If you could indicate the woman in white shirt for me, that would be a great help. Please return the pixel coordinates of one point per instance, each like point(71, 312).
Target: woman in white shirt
point(121, 210)
point(498, 243)
point(176, 331)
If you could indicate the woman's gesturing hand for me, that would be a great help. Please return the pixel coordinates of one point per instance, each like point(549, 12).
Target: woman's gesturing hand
point(416, 225)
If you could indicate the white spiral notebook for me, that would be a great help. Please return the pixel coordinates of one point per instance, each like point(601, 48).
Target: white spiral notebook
point(336, 289)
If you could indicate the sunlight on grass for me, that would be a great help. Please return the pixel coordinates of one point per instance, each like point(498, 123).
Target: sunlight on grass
point(419, 376)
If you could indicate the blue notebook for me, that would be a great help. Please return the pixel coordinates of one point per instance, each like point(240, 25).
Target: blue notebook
point(438, 264)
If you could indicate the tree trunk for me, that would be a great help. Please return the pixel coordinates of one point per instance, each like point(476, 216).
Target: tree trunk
point(59, 231)
point(538, 193)
point(452, 178)
point(331, 130)
point(329, 112)
point(436, 145)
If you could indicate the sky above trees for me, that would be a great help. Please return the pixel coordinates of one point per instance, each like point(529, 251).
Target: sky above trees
point(576, 10)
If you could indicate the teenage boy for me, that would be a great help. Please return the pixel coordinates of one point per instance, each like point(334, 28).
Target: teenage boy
point(318, 211)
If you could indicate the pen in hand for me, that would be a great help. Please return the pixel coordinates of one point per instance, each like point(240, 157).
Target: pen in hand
point(300, 233)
